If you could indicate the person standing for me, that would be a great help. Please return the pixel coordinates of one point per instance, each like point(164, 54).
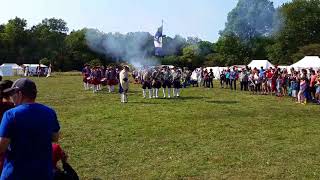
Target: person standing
point(86, 71)
point(147, 83)
point(176, 82)
point(167, 82)
point(124, 84)
point(233, 79)
point(156, 82)
point(26, 134)
point(49, 70)
point(5, 104)
point(222, 78)
point(111, 76)
point(211, 77)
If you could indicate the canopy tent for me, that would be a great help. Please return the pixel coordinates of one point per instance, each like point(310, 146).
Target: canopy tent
point(216, 71)
point(307, 62)
point(31, 69)
point(260, 63)
point(10, 69)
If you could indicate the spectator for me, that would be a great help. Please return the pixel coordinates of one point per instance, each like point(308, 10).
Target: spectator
point(233, 79)
point(318, 88)
point(222, 78)
point(301, 94)
point(5, 104)
point(67, 172)
point(29, 129)
point(211, 77)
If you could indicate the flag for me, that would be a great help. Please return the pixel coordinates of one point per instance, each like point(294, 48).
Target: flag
point(158, 41)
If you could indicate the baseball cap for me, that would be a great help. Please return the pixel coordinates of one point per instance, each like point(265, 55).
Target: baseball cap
point(25, 85)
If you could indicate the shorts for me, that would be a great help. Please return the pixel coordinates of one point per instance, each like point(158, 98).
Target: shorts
point(112, 82)
point(146, 84)
point(269, 83)
point(318, 90)
point(166, 84)
point(156, 84)
point(103, 81)
point(96, 81)
point(85, 79)
point(176, 84)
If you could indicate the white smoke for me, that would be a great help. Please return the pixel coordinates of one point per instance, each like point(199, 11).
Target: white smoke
point(131, 48)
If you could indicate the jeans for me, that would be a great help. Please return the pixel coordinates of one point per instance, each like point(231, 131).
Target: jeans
point(244, 85)
point(233, 84)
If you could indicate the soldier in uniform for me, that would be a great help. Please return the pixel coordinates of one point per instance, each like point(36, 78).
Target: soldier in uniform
point(111, 75)
point(94, 79)
point(176, 82)
point(86, 74)
point(147, 81)
point(124, 84)
point(156, 82)
point(166, 82)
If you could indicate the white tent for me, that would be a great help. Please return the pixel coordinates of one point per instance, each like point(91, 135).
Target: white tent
point(216, 71)
point(9, 69)
point(32, 68)
point(307, 62)
point(260, 63)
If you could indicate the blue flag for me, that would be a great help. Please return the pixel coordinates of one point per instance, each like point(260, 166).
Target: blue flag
point(158, 41)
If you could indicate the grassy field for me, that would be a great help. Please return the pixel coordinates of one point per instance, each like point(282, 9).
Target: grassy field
point(205, 134)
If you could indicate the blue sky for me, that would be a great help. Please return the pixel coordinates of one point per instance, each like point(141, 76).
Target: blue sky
point(201, 18)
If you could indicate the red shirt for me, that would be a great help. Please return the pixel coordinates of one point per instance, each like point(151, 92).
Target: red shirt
point(57, 154)
point(269, 75)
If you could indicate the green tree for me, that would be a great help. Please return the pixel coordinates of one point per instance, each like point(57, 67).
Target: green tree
point(232, 50)
point(250, 18)
point(48, 39)
point(95, 62)
point(301, 24)
point(14, 39)
point(309, 50)
point(45, 61)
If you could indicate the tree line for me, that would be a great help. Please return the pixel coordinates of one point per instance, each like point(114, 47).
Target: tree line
point(255, 29)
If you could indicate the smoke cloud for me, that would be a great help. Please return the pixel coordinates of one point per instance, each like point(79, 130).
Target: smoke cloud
point(133, 48)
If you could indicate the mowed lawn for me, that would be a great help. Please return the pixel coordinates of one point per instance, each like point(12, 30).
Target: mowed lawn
point(205, 134)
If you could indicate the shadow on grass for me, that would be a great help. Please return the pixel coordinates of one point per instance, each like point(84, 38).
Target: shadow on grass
point(163, 100)
point(223, 102)
point(190, 97)
point(143, 102)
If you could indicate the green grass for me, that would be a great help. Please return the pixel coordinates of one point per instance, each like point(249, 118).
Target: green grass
point(206, 134)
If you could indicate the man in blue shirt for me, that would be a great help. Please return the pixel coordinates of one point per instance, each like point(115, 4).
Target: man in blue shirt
point(26, 134)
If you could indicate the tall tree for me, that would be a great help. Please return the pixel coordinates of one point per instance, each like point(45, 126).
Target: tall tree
point(14, 39)
point(48, 38)
point(232, 50)
point(301, 24)
point(250, 18)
